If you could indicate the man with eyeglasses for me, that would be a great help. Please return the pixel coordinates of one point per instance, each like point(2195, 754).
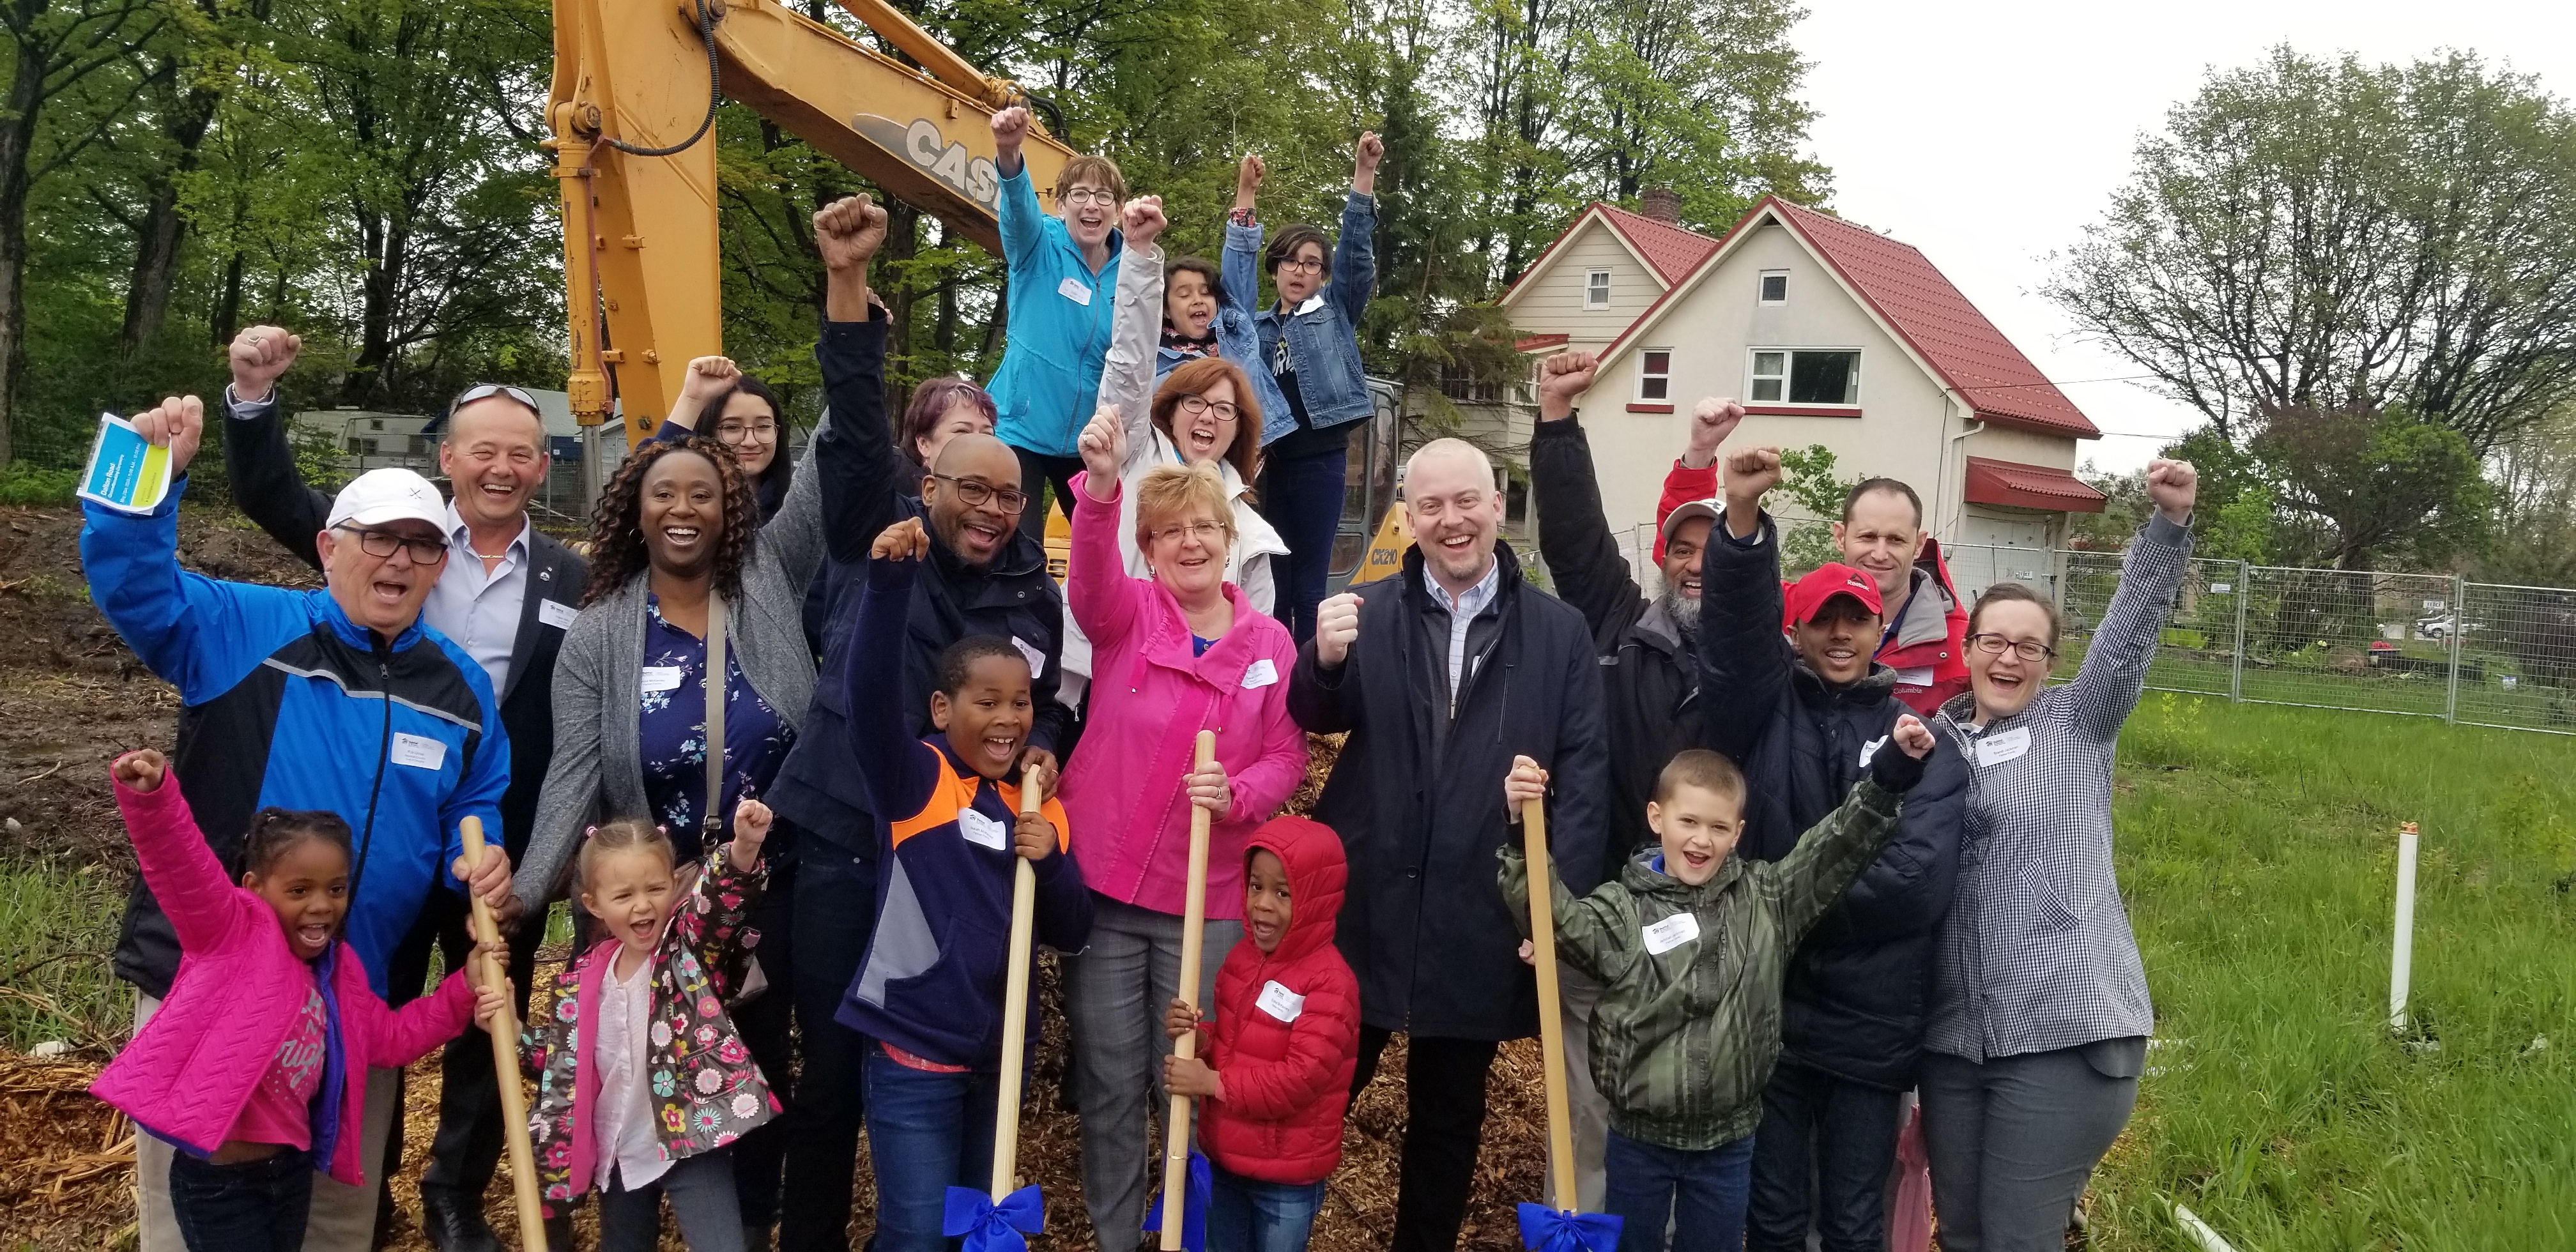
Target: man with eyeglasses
point(1803, 716)
point(505, 594)
point(984, 576)
point(339, 699)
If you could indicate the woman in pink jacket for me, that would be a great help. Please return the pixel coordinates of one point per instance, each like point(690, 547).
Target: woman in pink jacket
point(1171, 656)
point(247, 1067)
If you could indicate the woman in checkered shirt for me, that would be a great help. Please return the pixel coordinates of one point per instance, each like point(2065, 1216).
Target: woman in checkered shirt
point(2039, 1014)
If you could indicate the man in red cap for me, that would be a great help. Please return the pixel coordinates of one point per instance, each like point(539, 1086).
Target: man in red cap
point(1802, 716)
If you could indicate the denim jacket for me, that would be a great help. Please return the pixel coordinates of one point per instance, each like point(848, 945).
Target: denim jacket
point(1323, 334)
point(1236, 340)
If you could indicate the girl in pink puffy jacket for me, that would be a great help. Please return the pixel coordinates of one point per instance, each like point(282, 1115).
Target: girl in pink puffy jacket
point(255, 1065)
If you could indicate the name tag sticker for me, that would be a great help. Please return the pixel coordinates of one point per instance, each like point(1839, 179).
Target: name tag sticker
point(661, 677)
point(1914, 676)
point(1035, 658)
point(2010, 745)
point(983, 830)
point(1870, 749)
point(1280, 1002)
point(556, 613)
point(1073, 289)
point(1671, 933)
point(1260, 673)
point(418, 751)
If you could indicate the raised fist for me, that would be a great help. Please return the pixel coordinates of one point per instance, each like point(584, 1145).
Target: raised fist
point(178, 423)
point(1142, 220)
point(1337, 626)
point(1913, 736)
point(140, 770)
point(848, 231)
point(1104, 453)
point(903, 541)
point(1712, 420)
point(1369, 151)
point(1010, 130)
point(258, 356)
point(2175, 487)
point(1560, 379)
point(709, 377)
point(1248, 175)
point(1750, 473)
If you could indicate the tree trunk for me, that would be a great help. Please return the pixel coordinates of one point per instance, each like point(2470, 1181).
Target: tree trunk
point(903, 243)
point(227, 318)
point(156, 253)
point(18, 111)
point(387, 245)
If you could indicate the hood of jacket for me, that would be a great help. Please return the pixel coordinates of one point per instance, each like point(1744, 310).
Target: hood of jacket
point(1867, 691)
point(1317, 874)
point(1926, 618)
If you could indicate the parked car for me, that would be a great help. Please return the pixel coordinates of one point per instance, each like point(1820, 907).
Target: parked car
point(2440, 626)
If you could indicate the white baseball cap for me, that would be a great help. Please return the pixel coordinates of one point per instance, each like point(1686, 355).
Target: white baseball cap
point(1681, 513)
point(387, 495)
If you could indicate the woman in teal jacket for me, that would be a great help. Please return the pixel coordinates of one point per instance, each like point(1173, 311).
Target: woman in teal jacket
point(1063, 274)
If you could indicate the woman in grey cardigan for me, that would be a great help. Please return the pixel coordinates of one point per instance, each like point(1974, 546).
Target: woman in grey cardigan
point(2039, 1018)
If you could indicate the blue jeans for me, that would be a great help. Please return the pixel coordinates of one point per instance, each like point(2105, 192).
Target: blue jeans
point(1701, 1195)
point(248, 1206)
point(1844, 1133)
point(1302, 498)
point(1249, 1215)
point(834, 914)
point(926, 1133)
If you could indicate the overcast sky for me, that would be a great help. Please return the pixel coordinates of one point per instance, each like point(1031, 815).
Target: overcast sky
point(1989, 133)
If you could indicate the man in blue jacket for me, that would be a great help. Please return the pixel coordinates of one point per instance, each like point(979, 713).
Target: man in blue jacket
point(337, 699)
point(1803, 716)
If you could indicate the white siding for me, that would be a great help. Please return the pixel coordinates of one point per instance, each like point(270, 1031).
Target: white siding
point(1553, 303)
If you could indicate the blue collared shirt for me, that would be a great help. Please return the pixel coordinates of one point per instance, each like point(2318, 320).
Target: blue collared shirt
point(479, 609)
point(1463, 610)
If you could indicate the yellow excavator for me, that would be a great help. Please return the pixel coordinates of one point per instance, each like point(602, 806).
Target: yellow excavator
point(632, 116)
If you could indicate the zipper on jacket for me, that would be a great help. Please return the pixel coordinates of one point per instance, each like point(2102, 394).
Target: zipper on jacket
point(384, 753)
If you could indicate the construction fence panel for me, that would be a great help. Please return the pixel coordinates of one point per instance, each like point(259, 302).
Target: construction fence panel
point(2345, 639)
point(2515, 655)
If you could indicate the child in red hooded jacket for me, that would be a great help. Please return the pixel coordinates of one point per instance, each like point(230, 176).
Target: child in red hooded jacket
point(1277, 1070)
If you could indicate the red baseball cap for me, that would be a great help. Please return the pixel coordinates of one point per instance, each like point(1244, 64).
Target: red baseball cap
point(1831, 579)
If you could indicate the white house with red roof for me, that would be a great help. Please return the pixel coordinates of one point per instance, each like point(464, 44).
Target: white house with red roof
point(1831, 334)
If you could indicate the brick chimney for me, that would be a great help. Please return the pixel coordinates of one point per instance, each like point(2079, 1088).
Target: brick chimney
point(1662, 204)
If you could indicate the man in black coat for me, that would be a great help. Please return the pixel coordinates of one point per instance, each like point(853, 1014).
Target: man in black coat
point(1802, 717)
point(506, 596)
point(983, 577)
point(1441, 675)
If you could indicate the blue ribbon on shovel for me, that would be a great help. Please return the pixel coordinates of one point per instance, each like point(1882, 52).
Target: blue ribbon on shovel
point(991, 1227)
point(1194, 1216)
point(1546, 1229)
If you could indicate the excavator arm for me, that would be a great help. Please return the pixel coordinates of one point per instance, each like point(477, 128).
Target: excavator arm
point(631, 114)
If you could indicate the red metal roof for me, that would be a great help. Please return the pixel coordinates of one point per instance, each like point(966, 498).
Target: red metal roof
point(1988, 372)
point(2020, 486)
point(1672, 250)
point(1532, 343)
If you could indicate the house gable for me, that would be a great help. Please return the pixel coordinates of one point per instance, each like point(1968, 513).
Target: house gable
point(1551, 299)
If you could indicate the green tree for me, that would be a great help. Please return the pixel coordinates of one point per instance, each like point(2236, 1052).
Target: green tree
point(2380, 482)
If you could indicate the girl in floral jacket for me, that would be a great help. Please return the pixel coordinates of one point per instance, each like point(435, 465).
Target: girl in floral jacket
point(642, 1081)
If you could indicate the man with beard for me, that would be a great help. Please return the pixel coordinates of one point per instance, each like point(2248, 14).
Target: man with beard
point(1650, 685)
point(1441, 676)
point(984, 576)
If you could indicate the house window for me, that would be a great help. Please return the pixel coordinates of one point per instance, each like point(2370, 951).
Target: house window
point(1805, 376)
point(1775, 286)
point(1596, 289)
point(375, 423)
point(1655, 374)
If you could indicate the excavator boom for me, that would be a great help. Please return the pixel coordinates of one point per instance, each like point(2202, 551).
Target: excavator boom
point(631, 115)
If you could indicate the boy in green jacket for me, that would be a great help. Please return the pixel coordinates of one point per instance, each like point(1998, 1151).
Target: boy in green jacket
point(1689, 946)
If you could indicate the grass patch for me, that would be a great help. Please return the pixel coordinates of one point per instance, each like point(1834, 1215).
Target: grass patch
point(25, 484)
point(2257, 853)
point(57, 927)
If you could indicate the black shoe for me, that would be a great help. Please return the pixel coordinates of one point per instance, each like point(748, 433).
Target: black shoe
point(454, 1225)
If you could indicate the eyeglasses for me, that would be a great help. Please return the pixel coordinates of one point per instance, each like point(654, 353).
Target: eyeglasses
point(1079, 196)
point(747, 432)
point(1303, 266)
point(2026, 649)
point(381, 543)
point(977, 495)
point(485, 391)
point(1204, 532)
point(1197, 404)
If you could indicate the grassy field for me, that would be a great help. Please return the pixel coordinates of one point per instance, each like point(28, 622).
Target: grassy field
point(2257, 850)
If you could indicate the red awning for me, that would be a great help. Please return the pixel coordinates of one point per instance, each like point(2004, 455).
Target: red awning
point(2015, 485)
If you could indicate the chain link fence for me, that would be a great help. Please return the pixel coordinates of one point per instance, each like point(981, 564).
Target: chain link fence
point(2423, 645)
